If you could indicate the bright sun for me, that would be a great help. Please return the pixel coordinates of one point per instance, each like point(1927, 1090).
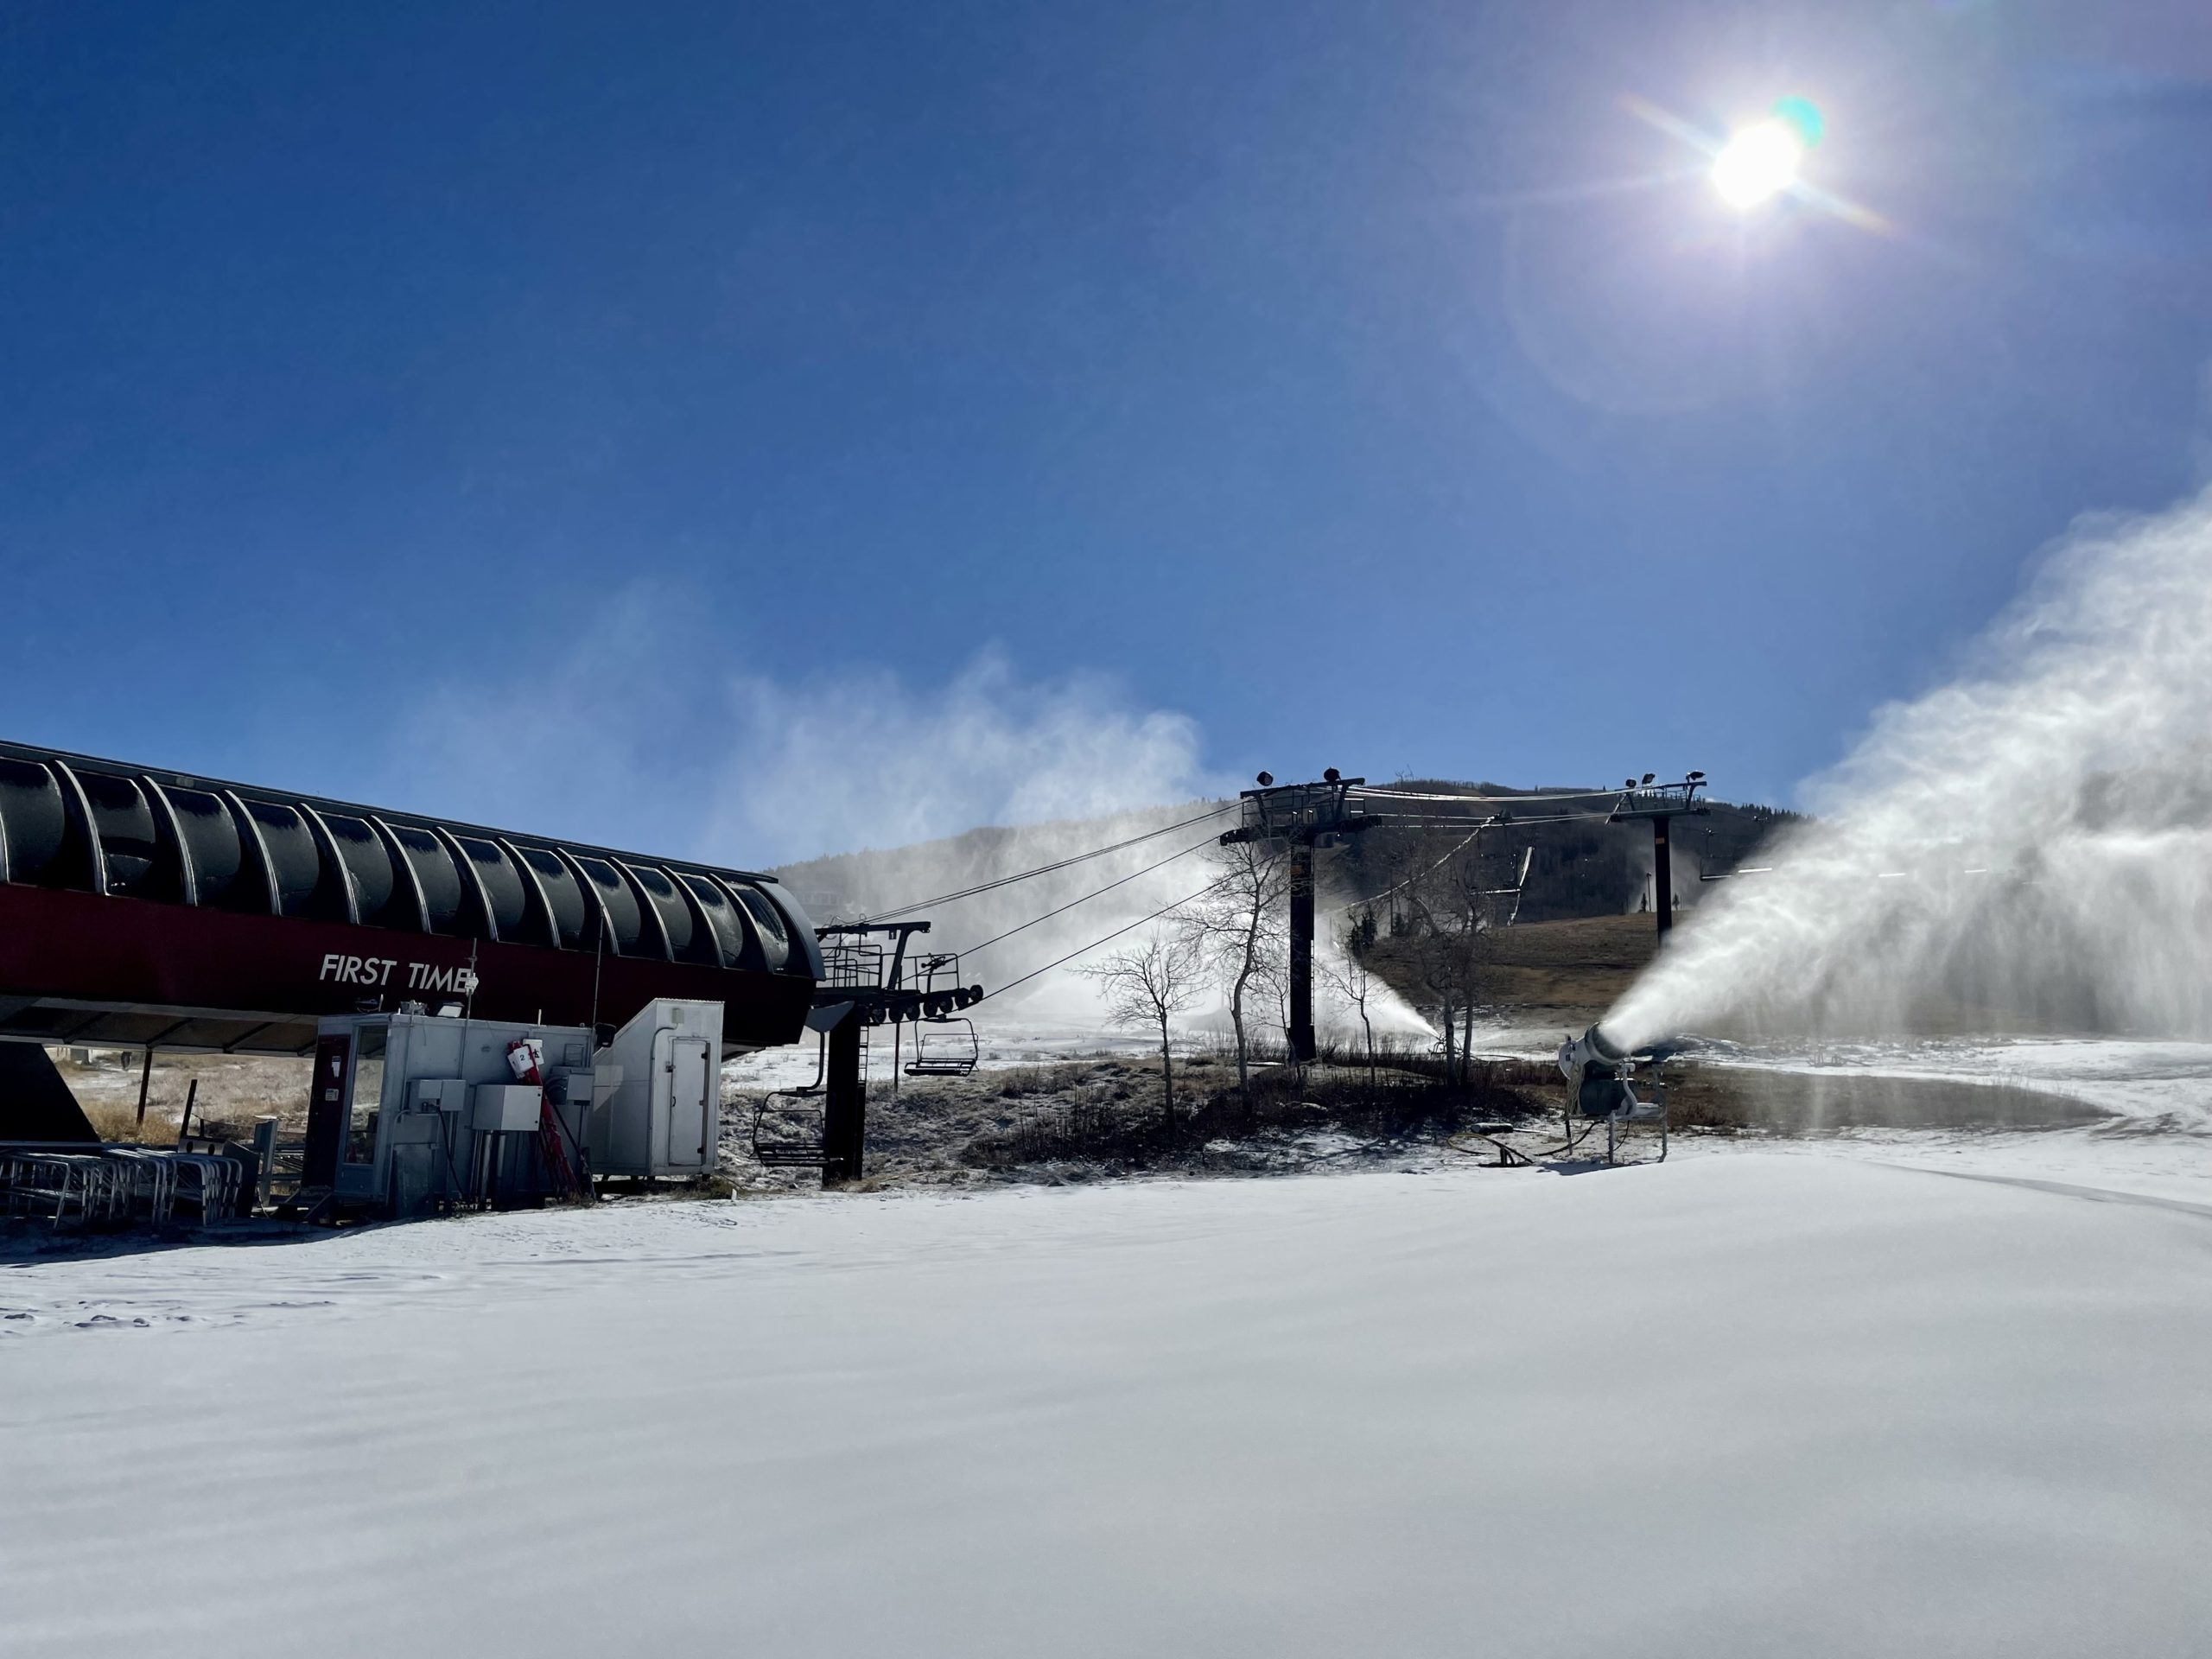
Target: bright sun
point(1758, 162)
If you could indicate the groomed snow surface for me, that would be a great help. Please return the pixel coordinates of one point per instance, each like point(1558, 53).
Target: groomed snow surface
point(1753, 1405)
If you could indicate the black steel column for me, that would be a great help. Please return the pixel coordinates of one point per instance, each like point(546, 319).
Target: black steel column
point(1301, 951)
point(844, 1102)
point(1662, 875)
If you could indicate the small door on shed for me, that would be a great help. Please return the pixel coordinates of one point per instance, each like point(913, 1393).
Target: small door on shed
point(327, 1110)
point(688, 1075)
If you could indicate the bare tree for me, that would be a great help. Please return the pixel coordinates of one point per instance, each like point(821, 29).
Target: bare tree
point(1448, 903)
point(1146, 985)
point(1239, 930)
point(1353, 980)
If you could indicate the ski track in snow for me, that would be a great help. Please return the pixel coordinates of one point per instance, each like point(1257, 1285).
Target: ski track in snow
point(1811, 1403)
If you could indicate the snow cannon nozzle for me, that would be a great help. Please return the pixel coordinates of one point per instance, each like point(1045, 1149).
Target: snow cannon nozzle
point(1601, 1084)
point(1578, 1055)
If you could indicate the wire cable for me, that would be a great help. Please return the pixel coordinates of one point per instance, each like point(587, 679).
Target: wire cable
point(1353, 904)
point(1501, 822)
point(1106, 939)
point(1549, 795)
point(1194, 846)
point(1047, 869)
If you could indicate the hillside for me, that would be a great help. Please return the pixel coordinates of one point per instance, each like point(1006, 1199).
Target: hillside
point(1583, 927)
point(1539, 973)
point(1586, 870)
point(1576, 870)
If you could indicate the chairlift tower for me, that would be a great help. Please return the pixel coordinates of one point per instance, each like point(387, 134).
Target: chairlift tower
point(1662, 803)
point(1302, 816)
point(865, 984)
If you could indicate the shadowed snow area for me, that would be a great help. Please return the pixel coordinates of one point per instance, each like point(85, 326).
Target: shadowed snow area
point(1739, 1405)
point(2147, 1086)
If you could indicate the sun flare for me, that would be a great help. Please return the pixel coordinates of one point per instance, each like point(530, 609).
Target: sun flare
point(1757, 163)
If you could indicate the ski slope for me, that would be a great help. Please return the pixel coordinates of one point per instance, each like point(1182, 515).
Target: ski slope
point(1747, 1405)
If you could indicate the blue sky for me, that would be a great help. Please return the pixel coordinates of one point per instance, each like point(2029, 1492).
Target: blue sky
point(583, 417)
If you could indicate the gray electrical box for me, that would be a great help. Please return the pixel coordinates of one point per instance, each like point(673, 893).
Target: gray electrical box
point(438, 1095)
point(570, 1088)
point(505, 1108)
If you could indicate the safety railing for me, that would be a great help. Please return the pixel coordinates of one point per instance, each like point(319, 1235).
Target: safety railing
point(118, 1186)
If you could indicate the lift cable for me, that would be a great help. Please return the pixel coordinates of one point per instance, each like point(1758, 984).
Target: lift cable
point(1549, 796)
point(1487, 823)
point(1395, 886)
point(1189, 898)
point(1057, 864)
point(1211, 886)
point(1197, 846)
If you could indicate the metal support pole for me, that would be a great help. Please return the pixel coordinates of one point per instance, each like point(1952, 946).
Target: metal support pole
point(1301, 951)
point(145, 1082)
point(844, 1103)
point(1662, 876)
point(264, 1152)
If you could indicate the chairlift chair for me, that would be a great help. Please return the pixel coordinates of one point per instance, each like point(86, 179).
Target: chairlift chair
point(945, 1044)
point(792, 1151)
point(950, 1049)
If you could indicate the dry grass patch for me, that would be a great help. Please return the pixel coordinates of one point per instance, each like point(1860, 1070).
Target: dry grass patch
point(118, 1122)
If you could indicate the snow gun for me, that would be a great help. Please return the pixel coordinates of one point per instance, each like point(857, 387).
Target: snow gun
point(1597, 1072)
point(1600, 1084)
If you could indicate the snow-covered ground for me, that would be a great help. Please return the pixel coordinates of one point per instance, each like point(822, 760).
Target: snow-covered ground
point(1002, 1043)
point(1805, 1404)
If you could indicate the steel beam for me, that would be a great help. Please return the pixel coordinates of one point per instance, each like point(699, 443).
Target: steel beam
point(844, 1102)
point(1302, 1048)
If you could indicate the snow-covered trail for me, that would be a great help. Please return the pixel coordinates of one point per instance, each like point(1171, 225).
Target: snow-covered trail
point(1748, 1405)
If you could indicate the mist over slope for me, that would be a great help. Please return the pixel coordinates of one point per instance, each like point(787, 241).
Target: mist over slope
point(1577, 870)
point(850, 885)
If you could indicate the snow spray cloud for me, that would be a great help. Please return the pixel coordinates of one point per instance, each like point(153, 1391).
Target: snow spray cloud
point(2029, 848)
point(1018, 932)
point(651, 746)
point(642, 739)
point(656, 747)
point(1129, 884)
point(866, 762)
